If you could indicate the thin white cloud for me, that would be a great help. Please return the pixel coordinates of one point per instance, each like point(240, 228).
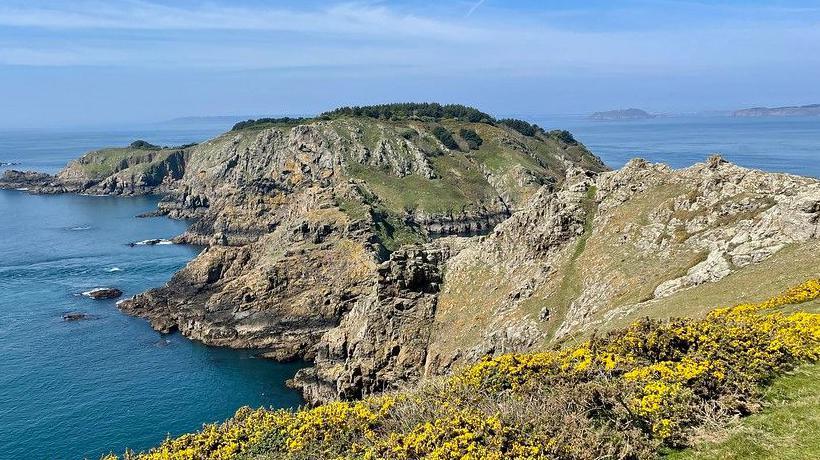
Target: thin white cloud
point(374, 37)
point(475, 7)
point(361, 19)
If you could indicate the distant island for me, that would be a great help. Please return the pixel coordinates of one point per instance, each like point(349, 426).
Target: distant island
point(788, 111)
point(623, 114)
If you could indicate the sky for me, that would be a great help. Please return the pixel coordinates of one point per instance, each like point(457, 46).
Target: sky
point(101, 62)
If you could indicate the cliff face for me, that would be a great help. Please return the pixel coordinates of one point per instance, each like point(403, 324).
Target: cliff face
point(381, 254)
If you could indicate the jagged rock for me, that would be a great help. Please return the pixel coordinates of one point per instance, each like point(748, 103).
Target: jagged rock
point(713, 268)
point(382, 341)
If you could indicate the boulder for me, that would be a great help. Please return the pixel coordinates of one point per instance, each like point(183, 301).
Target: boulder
point(103, 293)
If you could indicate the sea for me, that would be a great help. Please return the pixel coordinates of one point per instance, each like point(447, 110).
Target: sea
point(80, 389)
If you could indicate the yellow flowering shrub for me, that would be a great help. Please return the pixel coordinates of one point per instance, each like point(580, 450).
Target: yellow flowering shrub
point(624, 395)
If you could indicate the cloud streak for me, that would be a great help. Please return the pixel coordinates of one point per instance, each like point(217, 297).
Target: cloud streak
point(377, 36)
point(473, 8)
point(365, 20)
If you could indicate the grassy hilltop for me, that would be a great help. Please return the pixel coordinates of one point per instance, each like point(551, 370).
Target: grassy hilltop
point(429, 158)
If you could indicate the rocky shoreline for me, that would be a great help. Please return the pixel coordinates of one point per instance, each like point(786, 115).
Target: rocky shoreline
point(309, 258)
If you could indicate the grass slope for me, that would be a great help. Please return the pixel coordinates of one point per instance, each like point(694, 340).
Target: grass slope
point(788, 428)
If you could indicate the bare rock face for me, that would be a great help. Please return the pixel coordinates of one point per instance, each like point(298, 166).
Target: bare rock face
point(382, 342)
point(606, 245)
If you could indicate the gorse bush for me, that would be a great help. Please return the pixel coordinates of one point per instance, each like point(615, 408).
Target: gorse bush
point(626, 394)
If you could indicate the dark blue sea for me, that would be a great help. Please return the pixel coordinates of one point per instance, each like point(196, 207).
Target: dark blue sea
point(70, 390)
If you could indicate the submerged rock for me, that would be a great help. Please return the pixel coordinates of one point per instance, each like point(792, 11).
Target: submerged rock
point(76, 316)
point(103, 293)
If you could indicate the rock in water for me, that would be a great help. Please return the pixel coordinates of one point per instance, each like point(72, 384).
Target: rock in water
point(76, 316)
point(103, 293)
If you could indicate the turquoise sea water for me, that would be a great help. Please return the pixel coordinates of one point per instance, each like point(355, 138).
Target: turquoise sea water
point(70, 390)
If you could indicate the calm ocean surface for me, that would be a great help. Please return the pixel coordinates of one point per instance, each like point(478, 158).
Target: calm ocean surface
point(790, 144)
point(70, 390)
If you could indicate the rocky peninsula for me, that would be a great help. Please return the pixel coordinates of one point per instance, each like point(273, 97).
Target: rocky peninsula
point(389, 243)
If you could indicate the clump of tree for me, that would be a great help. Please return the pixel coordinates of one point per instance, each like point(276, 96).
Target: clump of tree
point(408, 134)
point(267, 121)
point(445, 137)
point(563, 136)
point(184, 146)
point(523, 127)
point(144, 145)
point(429, 111)
point(472, 138)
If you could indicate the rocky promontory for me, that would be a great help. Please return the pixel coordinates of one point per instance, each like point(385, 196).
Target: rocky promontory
point(385, 244)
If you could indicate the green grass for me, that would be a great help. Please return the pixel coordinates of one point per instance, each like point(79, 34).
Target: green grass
point(461, 185)
point(102, 163)
point(570, 286)
point(788, 428)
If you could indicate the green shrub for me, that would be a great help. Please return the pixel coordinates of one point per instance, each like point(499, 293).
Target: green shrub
point(563, 136)
point(471, 137)
point(267, 121)
point(521, 126)
point(425, 110)
point(408, 133)
point(144, 145)
point(445, 137)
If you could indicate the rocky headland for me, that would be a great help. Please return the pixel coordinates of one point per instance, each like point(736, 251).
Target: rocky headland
point(390, 243)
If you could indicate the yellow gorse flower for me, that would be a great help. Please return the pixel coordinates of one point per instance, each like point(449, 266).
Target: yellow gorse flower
point(659, 370)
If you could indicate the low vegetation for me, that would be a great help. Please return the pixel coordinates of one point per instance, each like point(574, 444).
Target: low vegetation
point(268, 122)
point(523, 127)
point(428, 111)
point(141, 144)
point(472, 138)
point(633, 393)
point(562, 135)
point(444, 136)
point(788, 428)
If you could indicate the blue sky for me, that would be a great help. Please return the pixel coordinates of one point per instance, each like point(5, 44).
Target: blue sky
point(90, 62)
